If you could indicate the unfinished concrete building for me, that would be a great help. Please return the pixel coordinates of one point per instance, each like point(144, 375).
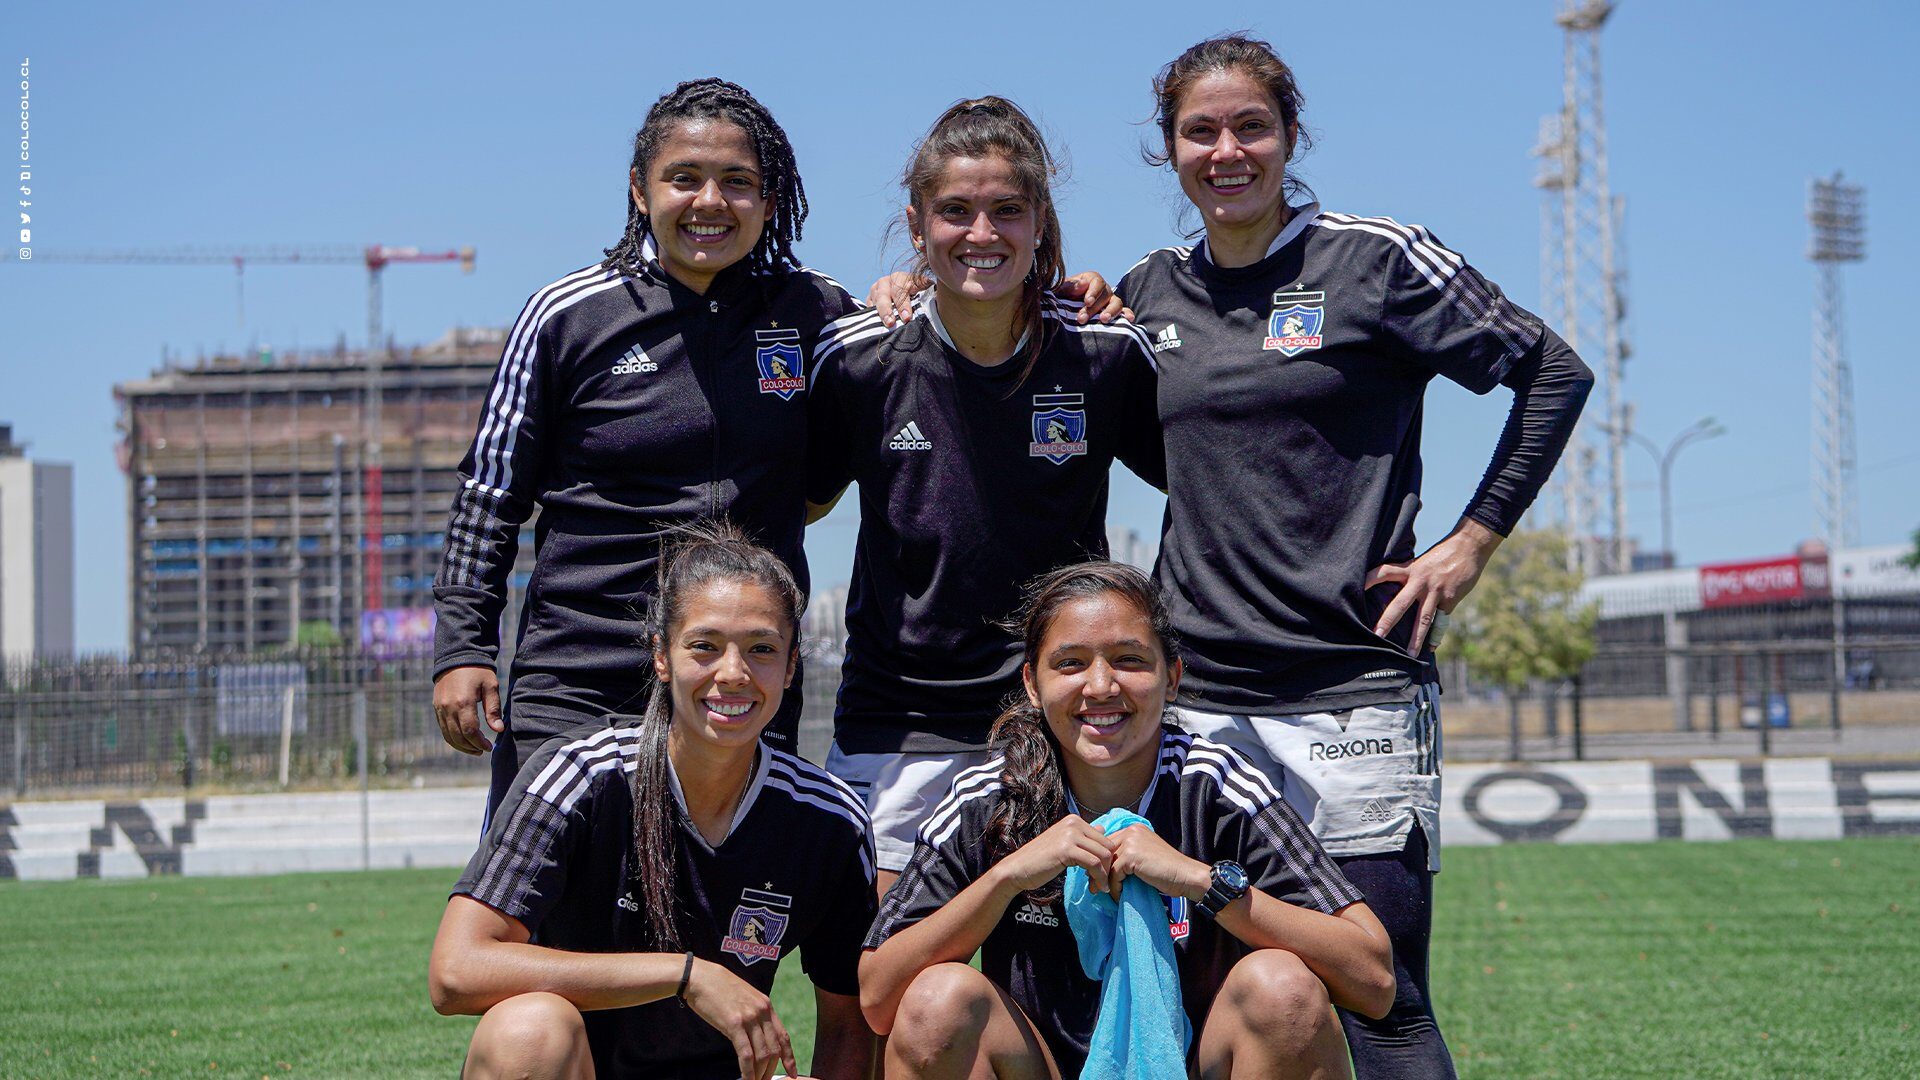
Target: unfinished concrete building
point(249, 503)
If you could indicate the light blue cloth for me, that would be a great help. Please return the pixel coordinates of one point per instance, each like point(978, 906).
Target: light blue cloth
point(1142, 1031)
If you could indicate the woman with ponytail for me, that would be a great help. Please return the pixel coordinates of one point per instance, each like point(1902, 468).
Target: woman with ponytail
point(661, 385)
point(1292, 397)
point(1266, 931)
point(679, 857)
point(981, 432)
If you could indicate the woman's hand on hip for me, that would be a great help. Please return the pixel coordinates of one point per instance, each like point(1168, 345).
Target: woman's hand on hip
point(1435, 582)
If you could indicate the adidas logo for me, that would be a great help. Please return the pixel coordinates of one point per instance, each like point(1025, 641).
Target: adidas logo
point(1035, 915)
point(1168, 338)
point(635, 363)
point(909, 438)
point(1376, 811)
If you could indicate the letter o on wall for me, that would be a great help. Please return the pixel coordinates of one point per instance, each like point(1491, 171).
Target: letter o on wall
point(1573, 804)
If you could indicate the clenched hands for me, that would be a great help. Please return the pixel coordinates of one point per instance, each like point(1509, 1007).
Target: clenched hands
point(460, 697)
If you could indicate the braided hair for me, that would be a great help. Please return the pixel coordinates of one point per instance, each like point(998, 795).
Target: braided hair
point(717, 99)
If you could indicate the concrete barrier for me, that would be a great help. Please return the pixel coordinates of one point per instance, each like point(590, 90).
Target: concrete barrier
point(1592, 802)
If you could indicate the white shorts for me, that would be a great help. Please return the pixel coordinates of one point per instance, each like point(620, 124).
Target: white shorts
point(1360, 778)
point(901, 791)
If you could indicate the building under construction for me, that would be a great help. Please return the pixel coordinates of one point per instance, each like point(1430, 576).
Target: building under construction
point(251, 512)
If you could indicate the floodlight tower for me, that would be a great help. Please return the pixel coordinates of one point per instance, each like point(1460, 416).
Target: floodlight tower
point(1582, 282)
point(1837, 213)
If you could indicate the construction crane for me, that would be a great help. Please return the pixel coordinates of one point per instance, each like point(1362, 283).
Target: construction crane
point(376, 258)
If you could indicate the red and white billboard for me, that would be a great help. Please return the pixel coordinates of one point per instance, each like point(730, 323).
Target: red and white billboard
point(1765, 581)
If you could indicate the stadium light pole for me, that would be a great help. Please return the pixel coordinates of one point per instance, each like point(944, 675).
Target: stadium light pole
point(1836, 210)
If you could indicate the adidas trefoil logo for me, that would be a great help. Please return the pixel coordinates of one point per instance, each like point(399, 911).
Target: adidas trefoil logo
point(636, 362)
point(909, 438)
point(1168, 338)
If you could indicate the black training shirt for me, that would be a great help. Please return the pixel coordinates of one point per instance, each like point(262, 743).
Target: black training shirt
point(1206, 800)
point(623, 407)
point(971, 483)
point(1291, 398)
point(796, 871)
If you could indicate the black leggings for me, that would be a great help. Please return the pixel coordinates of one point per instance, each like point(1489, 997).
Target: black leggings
point(1406, 1042)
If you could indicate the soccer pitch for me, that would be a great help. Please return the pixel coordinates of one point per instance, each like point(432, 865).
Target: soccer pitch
point(1738, 959)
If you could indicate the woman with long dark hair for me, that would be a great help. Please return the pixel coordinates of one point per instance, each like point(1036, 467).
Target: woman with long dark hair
point(1295, 347)
point(679, 858)
point(1266, 932)
point(981, 432)
point(662, 385)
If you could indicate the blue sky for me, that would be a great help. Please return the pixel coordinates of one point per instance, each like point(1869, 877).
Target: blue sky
point(506, 126)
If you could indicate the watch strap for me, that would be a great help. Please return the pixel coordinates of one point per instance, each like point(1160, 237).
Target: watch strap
point(1219, 894)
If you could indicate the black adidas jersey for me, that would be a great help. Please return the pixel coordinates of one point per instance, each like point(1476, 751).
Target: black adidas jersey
point(969, 486)
point(796, 871)
point(625, 406)
point(1290, 395)
point(1205, 799)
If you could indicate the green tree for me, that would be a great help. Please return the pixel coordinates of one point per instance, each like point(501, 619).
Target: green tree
point(1524, 621)
point(317, 634)
point(1911, 560)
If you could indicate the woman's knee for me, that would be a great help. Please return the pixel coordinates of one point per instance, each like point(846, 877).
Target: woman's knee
point(944, 1005)
point(529, 1035)
point(1274, 991)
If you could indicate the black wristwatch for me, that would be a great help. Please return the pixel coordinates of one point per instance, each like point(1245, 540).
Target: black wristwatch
point(1229, 884)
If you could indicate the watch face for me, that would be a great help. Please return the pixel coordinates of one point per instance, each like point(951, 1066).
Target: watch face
point(1232, 875)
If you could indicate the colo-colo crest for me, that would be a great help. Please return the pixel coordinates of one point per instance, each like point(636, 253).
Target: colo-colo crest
point(1294, 326)
point(758, 923)
point(1059, 429)
point(780, 363)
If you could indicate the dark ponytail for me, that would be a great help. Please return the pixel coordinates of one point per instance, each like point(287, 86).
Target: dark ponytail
point(699, 555)
point(1033, 787)
point(995, 127)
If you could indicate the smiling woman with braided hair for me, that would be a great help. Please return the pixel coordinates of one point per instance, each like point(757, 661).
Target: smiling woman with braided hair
point(662, 385)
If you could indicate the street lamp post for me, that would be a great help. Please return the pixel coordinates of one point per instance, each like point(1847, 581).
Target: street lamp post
point(1705, 428)
point(1675, 629)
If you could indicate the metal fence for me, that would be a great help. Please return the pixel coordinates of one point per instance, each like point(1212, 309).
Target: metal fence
point(1719, 699)
point(292, 718)
point(309, 718)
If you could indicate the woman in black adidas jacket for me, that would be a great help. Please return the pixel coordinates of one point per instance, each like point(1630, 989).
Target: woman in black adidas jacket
point(661, 386)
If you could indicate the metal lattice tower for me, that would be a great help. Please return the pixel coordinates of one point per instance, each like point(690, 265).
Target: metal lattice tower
point(1836, 211)
point(1582, 280)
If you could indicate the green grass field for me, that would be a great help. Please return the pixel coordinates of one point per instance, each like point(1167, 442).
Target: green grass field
point(1749, 958)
